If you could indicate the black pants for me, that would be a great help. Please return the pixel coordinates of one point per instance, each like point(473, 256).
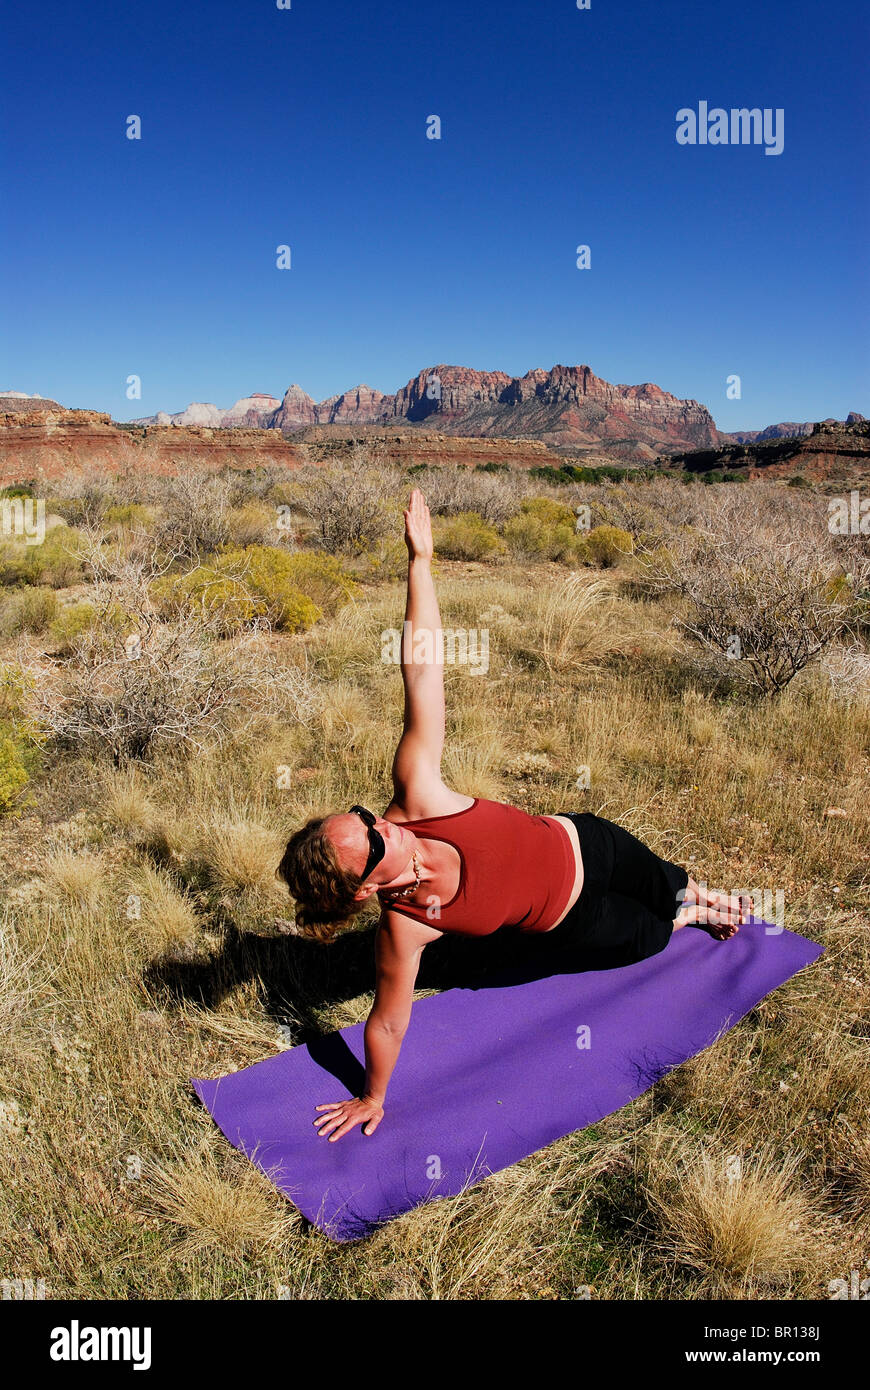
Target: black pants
point(629, 897)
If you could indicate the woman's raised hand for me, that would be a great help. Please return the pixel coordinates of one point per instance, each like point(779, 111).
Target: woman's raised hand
point(344, 1114)
point(418, 528)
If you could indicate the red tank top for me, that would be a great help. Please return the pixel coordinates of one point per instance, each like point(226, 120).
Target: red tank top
point(516, 870)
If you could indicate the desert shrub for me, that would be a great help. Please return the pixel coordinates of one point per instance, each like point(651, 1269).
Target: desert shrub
point(254, 484)
point(529, 535)
point(253, 523)
point(763, 585)
point(321, 578)
point(351, 507)
point(548, 510)
point(80, 499)
point(230, 600)
point(185, 689)
point(194, 518)
point(27, 610)
point(127, 514)
point(467, 537)
point(69, 624)
point(578, 473)
point(452, 491)
point(56, 561)
point(13, 774)
point(278, 576)
point(772, 613)
point(386, 559)
point(606, 546)
point(290, 589)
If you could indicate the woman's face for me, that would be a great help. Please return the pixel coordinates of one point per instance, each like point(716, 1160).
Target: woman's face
point(348, 834)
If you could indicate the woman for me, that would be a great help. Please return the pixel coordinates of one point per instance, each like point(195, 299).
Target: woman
point(441, 862)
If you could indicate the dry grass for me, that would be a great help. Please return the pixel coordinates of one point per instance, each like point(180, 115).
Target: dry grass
point(134, 955)
point(731, 1219)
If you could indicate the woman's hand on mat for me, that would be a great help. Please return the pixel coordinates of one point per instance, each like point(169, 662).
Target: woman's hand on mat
point(418, 528)
point(344, 1114)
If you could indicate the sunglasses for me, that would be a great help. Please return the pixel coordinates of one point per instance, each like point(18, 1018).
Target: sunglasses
point(377, 848)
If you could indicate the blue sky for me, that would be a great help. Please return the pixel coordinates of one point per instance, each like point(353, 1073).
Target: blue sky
point(307, 127)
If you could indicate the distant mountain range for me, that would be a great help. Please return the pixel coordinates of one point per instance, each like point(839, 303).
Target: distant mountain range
point(789, 430)
point(569, 409)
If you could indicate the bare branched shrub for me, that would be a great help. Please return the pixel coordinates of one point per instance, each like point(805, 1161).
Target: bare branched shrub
point(450, 491)
point(847, 670)
point(351, 505)
point(132, 682)
point(81, 497)
point(764, 589)
point(195, 518)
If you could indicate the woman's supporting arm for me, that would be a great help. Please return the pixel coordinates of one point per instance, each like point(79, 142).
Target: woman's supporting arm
point(397, 961)
point(382, 1046)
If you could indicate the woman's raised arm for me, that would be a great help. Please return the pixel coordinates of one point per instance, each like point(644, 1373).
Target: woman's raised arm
point(417, 763)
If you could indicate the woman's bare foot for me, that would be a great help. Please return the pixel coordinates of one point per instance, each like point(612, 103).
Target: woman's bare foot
point(714, 911)
point(721, 923)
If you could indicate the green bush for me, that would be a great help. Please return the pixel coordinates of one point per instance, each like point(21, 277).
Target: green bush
point(577, 473)
point(70, 623)
point(28, 610)
point(257, 581)
point(608, 545)
point(13, 774)
point(321, 578)
point(56, 561)
point(548, 510)
point(268, 570)
point(467, 536)
point(530, 535)
point(128, 514)
point(206, 591)
point(492, 468)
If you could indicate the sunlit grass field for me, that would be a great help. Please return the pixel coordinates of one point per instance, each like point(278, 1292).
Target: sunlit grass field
point(139, 948)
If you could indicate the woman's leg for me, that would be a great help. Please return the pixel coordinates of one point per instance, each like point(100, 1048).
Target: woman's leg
point(666, 888)
point(629, 868)
point(625, 928)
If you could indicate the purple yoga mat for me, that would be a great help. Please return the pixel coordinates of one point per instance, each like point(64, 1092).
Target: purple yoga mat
point(489, 1075)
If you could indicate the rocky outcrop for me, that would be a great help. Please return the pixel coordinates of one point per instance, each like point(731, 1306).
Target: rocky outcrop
point(408, 446)
point(832, 450)
point(571, 405)
point(361, 406)
point(567, 408)
point(251, 412)
point(297, 410)
point(13, 401)
point(787, 429)
point(39, 445)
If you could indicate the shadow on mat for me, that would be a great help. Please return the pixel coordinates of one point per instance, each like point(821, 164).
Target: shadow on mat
point(299, 978)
